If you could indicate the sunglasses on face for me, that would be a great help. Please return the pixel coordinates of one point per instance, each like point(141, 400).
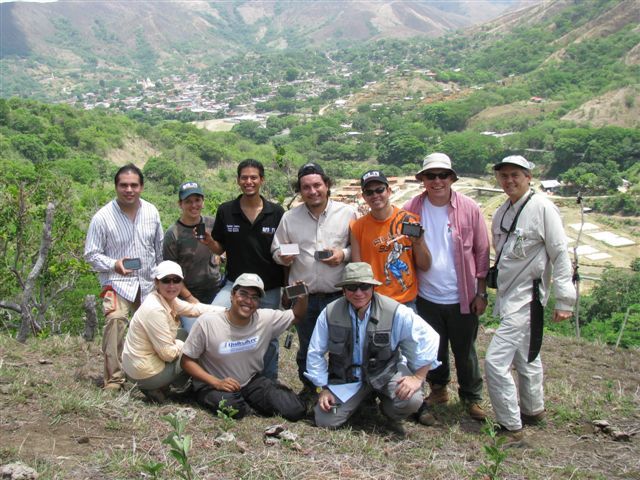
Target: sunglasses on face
point(433, 176)
point(363, 287)
point(167, 280)
point(369, 192)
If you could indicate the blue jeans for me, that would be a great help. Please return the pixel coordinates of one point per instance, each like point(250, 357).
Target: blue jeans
point(317, 303)
point(271, 300)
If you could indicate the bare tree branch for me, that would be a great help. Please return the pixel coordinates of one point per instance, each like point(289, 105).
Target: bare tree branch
point(28, 322)
point(10, 306)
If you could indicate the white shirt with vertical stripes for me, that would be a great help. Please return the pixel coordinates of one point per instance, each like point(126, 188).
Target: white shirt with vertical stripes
point(112, 235)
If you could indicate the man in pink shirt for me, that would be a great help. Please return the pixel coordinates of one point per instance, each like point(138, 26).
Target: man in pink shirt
point(452, 293)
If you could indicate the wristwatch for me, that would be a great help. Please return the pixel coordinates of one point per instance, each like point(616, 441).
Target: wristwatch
point(319, 389)
point(484, 296)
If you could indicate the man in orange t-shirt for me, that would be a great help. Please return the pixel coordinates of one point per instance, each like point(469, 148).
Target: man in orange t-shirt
point(377, 239)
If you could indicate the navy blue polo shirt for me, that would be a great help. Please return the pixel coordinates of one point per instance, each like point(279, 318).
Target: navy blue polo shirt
point(248, 245)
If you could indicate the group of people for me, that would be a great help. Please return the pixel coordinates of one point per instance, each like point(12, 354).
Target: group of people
point(385, 295)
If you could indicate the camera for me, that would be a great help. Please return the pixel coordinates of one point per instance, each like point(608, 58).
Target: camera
point(411, 229)
point(132, 263)
point(492, 277)
point(322, 254)
point(200, 229)
point(297, 290)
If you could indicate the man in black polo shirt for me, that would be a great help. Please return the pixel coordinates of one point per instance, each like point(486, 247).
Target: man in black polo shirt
point(244, 229)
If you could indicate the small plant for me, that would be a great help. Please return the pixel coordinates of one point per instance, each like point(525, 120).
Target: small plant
point(180, 445)
point(226, 413)
point(493, 450)
point(153, 468)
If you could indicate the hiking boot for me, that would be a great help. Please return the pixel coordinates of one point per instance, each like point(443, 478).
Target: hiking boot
point(536, 419)
point(425, 417)
point(396, 427)
point(512, 438)
point(155, 396)
point(114, 387)
point(439, 395)
point(476, 412)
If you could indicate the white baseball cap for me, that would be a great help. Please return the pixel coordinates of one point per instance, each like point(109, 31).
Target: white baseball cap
point(517, 160)
point(166, 268)
point(250, 280)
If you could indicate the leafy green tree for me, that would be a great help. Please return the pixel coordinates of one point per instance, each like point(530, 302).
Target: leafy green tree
point(399, 148)
point(470, 151)
point(165, 171)
point(594, 178)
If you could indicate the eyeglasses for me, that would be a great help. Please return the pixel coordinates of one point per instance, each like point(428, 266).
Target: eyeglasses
point(248, 296)
point(369, 192)
point(433, 176)
point(363, 287)
point(167, 280)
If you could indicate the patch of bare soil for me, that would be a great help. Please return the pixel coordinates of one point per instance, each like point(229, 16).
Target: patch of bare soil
point(619, 107)
point(136, 150)
point(54, 418)
point(524, 109)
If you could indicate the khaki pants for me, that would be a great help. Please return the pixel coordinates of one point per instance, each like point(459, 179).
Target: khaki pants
point(391, 406)
point(116, 312)
point(510, 347)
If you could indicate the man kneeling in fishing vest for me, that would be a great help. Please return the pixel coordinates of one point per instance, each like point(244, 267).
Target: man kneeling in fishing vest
point(374, 344)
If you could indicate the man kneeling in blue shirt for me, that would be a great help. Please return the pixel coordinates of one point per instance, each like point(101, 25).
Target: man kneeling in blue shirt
point(374, 344)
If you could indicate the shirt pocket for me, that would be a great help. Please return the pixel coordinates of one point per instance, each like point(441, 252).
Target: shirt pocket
point(521, 242)
point(337, 339)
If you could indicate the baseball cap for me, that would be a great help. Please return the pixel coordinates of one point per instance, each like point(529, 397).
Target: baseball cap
point(249, 280)
point(166, 268)
point(517, 160)
point(189, 188)
point(357, 272)
point(373, 176)
point(436, 160)
point(310, 169)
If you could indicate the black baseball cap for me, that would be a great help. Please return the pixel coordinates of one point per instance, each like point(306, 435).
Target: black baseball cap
point(189, 188)
point(310, 169)
point(373, 176)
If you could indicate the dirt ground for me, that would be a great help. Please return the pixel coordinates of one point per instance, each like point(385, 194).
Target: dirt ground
point(56, 419)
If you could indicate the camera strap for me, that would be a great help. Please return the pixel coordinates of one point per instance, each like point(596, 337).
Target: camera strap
point(512, 228)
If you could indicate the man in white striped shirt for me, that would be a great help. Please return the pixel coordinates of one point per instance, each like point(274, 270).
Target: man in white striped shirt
point(124, 244)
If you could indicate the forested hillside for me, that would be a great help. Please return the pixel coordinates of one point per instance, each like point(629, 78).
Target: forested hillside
point(60, 154)
point(502, 89)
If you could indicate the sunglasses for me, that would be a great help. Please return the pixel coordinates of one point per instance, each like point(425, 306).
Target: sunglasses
point(167, 280)
point(441, 176)
point(363, 287)
point(369, 192)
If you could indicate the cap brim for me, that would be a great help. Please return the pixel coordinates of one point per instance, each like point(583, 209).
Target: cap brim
point(350, 282)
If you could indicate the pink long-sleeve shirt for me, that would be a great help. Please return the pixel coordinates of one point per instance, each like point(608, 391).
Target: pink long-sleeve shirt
point(470, 239)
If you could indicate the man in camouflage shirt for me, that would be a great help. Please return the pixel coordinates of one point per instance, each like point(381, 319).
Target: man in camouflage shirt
point(199, 264)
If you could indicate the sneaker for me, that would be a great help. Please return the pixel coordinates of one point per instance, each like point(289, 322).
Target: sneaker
point(425, 417)
point(309, 398)
point(439, 395)
point(512, 438)
point(114, 387)
point(476, 412)
point(185, 389)
point(536, 419)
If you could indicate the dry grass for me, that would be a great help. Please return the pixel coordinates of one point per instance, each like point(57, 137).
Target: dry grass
point(55, 419)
